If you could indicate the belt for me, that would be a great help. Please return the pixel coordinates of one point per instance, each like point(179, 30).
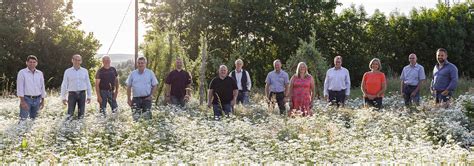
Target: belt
point(411, 86)
point(81, 91)
point(33, 97)
point(142, 97)
point(337, 90)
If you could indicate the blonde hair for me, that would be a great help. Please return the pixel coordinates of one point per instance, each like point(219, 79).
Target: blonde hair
point(306, 74)
point(375, 60)
point(239, 61)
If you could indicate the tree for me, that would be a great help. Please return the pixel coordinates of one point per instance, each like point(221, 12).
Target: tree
point(46, 29)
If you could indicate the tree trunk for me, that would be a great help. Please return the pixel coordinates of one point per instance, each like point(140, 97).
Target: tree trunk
point(202, 75)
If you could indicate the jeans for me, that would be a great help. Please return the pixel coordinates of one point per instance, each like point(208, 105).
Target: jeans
point(226, 109)
point(76, 98)
point(376, 102)
point(280, 97)
point(141, 108)
point(443, 98)
point(107, 97)
point(243, 97)
point(407, 90)
point(337, 97)
point(177, 101)
point(33, 107)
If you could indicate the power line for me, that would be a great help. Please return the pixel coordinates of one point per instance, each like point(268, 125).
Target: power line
point(120, 26)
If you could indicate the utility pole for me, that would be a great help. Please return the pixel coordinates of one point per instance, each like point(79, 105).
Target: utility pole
point(136, 33)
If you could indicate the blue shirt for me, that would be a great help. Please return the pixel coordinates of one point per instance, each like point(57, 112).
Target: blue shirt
point(412, 75)
point(142, 83)
point(445, 78)
point(277, 81)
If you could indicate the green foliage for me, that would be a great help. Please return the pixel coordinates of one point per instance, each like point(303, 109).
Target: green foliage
point(316, 63)
point(46, 29)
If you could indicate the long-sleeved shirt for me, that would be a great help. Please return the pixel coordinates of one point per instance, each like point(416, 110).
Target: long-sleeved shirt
point(238, 78)
point(30, 83)
point(413, 74)
point(445, 78)
point(337, 80)
point(76, 80)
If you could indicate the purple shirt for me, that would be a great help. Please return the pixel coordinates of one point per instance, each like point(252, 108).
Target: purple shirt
point(445, 78)
point(30, 83)
point(178, 80)
point(107, 78)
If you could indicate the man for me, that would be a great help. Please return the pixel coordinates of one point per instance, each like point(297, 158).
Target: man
point(143, 83)
point(242, 78)
point(337, 84)
point(178, 85)
point(222, 93)
point(75, 84)
point(30, 89)
point(106, 85)
point(445, 78)
point(276, 84)
point(412, 77)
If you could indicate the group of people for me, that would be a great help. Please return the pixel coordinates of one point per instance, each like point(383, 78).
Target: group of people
point(227, 90)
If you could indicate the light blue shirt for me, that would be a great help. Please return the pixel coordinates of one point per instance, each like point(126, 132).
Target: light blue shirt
point(412, 75)
point(277, 81)
point(337, 80)
point(141, 83)
point(76, 80)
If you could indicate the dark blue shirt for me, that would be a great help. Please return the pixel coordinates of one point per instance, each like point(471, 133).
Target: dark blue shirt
point(445, 78)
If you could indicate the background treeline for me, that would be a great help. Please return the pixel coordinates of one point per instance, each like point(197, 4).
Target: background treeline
point(47, 29)
point(311, 31)
point(256, 31)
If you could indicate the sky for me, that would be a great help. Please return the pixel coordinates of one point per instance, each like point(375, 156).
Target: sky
point(103, 17)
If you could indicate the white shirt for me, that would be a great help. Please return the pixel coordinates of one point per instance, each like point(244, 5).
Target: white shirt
point(30, 83)
point(76, 80)
point(238, 77)
point(337, 80)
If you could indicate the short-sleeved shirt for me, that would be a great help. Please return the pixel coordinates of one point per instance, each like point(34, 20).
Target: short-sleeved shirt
point(445, 78)
point(107, 78)
point(412, 75)
point(178, 80)
point(224, 88)
point(373, 82)
point(277, 81)
point(141, 83)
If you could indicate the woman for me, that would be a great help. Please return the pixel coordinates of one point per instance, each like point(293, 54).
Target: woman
point(301, 91)
point(374, 84)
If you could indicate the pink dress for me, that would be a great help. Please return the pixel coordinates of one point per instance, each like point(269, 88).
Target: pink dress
point(301, 96)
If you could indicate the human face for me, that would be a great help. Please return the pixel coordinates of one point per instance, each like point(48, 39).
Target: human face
point(412, 59)
point(277, 66)
point(76, 61)
point(31, 64)
point(302, 69)
point(239, 65)
point(106, 61)
point(441, 56)
point(375, 65)
point(179, 64)
point(141, 64)
point(338, 63)
point(222, 72)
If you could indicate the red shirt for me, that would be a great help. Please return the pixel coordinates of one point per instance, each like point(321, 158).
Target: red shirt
point(373, 82)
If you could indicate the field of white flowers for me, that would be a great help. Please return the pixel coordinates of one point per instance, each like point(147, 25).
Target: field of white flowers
point(425, 134)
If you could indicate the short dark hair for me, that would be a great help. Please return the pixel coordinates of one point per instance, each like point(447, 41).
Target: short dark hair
point(31, 57)
point(442, 50)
